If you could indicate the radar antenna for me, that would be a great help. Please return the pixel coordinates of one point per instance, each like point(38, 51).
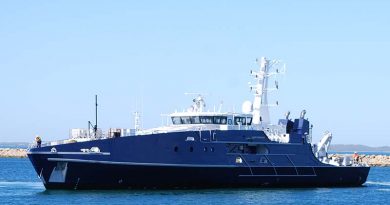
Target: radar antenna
point(199, 103)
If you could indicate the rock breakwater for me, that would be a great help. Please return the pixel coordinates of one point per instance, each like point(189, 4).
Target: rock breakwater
point(15, 153)
point(369, 159)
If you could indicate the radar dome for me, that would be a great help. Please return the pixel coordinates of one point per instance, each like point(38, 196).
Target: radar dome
point(247, 107)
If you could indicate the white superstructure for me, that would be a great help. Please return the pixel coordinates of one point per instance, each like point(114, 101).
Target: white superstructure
point(255, 115)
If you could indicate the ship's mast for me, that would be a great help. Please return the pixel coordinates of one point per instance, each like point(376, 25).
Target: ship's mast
point(260, 110)
point(260, 115)
point(137, 121)
point(96, 116)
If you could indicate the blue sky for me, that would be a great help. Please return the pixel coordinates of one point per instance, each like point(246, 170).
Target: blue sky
point(56, 55)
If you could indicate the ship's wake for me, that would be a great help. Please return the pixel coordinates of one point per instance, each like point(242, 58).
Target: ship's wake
point(378, 183)
point(20, 183)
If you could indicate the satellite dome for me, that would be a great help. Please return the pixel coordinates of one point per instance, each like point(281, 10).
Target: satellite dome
point(247, 107)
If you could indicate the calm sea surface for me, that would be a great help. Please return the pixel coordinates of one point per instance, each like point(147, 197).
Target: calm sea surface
point(20, 185)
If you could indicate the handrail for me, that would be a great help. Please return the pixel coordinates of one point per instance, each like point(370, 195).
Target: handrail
point(59, 142)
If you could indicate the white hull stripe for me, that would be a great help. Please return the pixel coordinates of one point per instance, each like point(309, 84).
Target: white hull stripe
point(189, 165)
point(134, 163)
point(73, 153)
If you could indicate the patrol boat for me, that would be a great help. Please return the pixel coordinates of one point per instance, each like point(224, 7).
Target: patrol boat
point(199, 149)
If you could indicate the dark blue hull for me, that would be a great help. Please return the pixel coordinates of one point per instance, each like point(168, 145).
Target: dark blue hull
point(140, 162)
point(146, 177)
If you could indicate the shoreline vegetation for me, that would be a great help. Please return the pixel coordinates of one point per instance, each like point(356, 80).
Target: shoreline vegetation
point(374, 160)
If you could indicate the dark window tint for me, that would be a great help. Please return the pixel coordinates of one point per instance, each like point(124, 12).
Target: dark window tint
point(240, 120)
point(220, 120)
point(206, 120)
point(248, 120)
point(195, 120)
point(176, 120)
point(185, 120)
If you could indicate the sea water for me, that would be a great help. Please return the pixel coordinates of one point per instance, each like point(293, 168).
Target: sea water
point(19, 184)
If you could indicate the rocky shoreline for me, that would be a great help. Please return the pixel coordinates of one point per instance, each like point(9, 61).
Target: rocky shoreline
point(13, 153)
point(371, 160)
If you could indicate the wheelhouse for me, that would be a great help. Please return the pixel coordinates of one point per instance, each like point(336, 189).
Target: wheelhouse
point(207, 118)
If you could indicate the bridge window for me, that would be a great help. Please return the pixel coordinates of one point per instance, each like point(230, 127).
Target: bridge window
point(200, 120)
point(242, 120)
point(220, 120)
point(206, 120)
point(248, 120)
point(185, 120)
point(191, 149)
point(176, 120)
point(239, 120)
point(195, 120)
